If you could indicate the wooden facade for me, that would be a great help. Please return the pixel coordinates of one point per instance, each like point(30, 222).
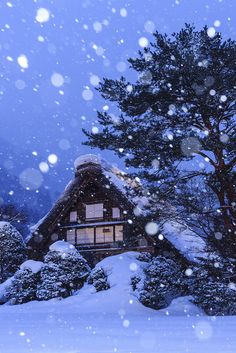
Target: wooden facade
point(94, 215)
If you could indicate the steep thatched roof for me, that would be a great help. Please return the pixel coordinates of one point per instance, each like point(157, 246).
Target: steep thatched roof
point(88, 169)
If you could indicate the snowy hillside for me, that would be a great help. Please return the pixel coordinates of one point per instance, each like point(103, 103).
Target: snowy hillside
point(112, 321)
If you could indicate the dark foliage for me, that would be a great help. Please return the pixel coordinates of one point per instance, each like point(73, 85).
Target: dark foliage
point(62, 274)
point(12, 250)
point(212, 285)
point(23, 287)
point(98, 278)
point(215, 297)
point(181, 106)
point(135, 280)
point(19, 217)
point(144, 256)
point(163, 282)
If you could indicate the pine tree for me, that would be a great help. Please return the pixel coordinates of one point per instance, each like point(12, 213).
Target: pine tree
point(164, 281)
point(12, 250)
point(216, 298)
point(180, 109)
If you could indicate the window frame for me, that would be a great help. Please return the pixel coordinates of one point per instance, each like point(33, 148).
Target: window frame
point(87, 236)
point(94, 216)
point(114, 210)
point(73, 216)
point(73, 233)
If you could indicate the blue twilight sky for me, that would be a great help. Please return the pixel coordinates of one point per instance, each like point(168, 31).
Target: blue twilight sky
point(48, 70)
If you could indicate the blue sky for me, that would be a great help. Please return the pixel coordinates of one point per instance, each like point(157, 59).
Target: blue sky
point(80, 42)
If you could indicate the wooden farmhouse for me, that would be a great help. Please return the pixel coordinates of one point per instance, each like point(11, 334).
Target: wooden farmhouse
point(94, 213)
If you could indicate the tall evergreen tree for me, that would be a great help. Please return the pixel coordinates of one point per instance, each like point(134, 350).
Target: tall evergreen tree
point(177, 120)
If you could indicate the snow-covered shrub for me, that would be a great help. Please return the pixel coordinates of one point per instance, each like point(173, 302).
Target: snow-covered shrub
point(163, 282)
point(134, 282)
point(216, 298)
point(194, 276)
point(220, 267)
point(3, 290)
point(12, 250)
point(144, 257)
point(209, 270)
point(64, 271)
point(211, 286)
point(23, 285)
point(50, 285)
point(98, 278)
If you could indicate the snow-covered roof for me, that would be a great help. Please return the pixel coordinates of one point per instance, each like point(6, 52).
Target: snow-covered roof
point(188, 243)
point(115, 175)
point(87, 167)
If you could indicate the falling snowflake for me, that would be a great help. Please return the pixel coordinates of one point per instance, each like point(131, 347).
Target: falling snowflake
point(42, 15)
point(23, 61)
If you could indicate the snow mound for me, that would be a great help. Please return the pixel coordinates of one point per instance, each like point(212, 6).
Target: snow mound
point(120, 268)
point(61, 246)
point(120, 297)
point(182, 306)
point(34, 266)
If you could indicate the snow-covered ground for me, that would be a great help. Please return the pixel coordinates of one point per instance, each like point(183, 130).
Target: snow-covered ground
point(113, 321)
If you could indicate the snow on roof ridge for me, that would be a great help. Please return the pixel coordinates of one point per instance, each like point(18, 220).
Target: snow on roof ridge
point(112, 172)
point(96, 159)
point(87, 158)
point(105, 165)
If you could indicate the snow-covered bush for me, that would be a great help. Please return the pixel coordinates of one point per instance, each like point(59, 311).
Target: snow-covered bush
point(144, 256)
point(163, 282)
point(12, 250)
point(134, 282)
point(64, 271)
point(220, 267)
point(98, 278)
point(216, 298)
point(211, 287)
point(23, 286)
point(194, 276)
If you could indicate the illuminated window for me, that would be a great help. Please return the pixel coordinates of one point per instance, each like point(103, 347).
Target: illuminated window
point(94, 211)
point(119, 233)
point(73, 216)
point(104, 235)
point(115, 212)
point(70, 236)
point(85, 236)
